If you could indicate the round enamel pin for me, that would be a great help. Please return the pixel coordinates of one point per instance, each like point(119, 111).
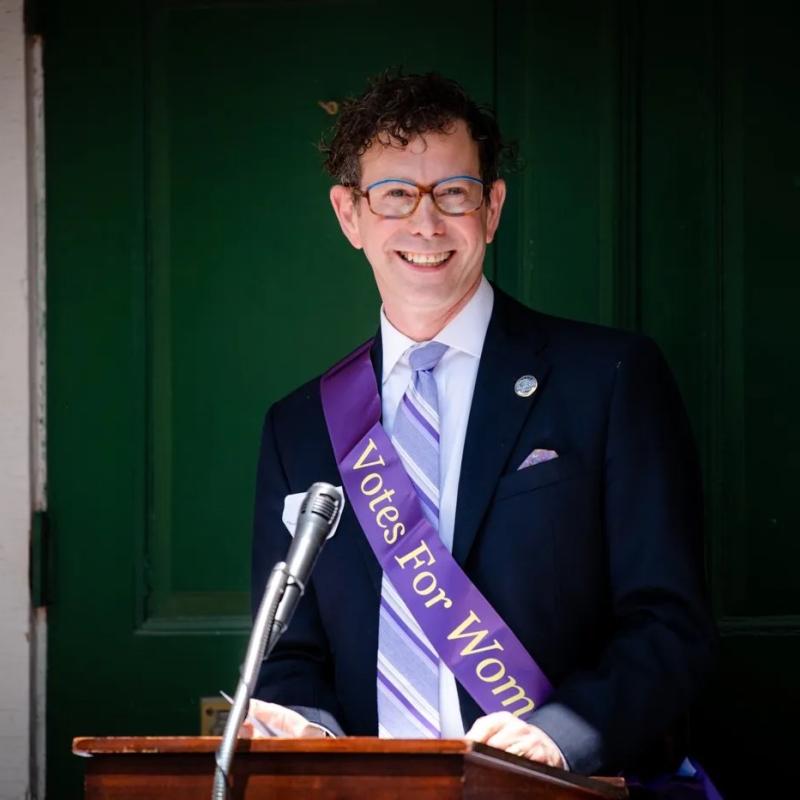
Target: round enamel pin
point(526, 386)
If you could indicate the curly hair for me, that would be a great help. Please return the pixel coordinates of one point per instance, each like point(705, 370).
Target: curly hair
point(395, 108)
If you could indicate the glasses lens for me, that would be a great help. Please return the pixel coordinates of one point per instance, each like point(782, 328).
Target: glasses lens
point(458, 196)
point(393, 198)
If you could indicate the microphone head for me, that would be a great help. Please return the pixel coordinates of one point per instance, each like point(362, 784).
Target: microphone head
point(319, 513)
point(323, 500)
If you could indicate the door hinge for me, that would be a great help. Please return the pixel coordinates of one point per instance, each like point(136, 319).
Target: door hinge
point(40, 559)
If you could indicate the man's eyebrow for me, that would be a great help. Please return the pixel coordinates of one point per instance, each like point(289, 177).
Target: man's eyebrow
point(378, 182)
point(394, 180)
point(411, 182)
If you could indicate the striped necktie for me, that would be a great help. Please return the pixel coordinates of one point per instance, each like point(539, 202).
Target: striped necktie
point(408, 665)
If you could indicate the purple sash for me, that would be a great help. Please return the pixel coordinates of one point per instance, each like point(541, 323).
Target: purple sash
point(467, 633)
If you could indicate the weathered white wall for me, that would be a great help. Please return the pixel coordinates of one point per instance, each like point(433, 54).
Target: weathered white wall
point(15, 480)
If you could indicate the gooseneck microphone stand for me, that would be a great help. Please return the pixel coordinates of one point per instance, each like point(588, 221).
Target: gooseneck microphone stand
point(318, 515)
point(262, 640)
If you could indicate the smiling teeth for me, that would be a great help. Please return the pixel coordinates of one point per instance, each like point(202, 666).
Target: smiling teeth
point(425, 258)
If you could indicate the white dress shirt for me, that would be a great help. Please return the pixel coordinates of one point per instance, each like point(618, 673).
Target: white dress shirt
point(455, 381)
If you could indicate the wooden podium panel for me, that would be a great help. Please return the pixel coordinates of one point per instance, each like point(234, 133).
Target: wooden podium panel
point(182, 768)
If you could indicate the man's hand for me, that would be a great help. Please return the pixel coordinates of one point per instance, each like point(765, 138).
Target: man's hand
point(505, 732)
point(280, 720)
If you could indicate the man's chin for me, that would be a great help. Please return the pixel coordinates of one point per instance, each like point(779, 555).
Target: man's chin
point(433, 293)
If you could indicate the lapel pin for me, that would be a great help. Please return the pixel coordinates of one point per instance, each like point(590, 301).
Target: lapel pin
point(526, 386)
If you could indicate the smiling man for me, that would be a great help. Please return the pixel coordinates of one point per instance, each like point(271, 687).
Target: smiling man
point(521, 564)
point(431, 218)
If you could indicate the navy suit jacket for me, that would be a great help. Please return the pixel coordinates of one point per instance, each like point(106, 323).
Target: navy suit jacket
point(593, 559)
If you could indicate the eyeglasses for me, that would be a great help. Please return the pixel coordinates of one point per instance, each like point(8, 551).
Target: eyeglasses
point(395, 198)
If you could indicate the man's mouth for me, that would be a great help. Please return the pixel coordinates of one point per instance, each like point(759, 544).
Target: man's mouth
point(425, 259)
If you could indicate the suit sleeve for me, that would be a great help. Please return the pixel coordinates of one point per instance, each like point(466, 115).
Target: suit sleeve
point(299, 672)
point(660, 648)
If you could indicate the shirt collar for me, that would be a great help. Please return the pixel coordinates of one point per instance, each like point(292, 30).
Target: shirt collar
point(465, 332)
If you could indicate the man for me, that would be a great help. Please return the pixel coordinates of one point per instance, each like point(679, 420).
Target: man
point(561, 475)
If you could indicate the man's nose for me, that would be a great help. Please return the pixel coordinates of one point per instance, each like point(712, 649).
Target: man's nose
point(427, 220)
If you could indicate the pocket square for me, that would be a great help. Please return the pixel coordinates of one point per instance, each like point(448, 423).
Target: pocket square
point(537, 457)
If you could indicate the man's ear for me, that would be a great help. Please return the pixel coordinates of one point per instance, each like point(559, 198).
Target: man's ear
point(344, 206)
point(497, 196)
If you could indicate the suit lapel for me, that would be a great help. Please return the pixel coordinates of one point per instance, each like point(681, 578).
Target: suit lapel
point(511, 349)
point(497, 415)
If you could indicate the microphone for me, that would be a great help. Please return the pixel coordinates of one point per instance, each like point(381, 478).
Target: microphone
point(319, 513)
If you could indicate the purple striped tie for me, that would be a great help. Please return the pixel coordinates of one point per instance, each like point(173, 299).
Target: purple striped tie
point(408, 666)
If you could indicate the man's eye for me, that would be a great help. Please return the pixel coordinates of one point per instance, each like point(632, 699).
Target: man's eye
point(451, 191)
point(399, 194)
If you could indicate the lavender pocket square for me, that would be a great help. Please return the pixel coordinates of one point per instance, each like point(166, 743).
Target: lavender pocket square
point(537, 457)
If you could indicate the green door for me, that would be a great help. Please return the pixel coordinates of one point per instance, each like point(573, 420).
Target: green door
point(196, 274)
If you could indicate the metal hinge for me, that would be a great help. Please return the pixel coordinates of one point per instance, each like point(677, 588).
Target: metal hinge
point(40, 559)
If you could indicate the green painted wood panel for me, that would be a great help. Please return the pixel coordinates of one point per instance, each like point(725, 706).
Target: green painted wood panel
point(196, 274)
point(686, 230)
point(678, 180)
point(193, 264)
point(267, 260)
point(756, 521)
point(770, 175)
point(558, 98)
point(248, 265)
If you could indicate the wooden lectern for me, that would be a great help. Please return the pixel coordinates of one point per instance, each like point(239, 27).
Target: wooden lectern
point(182, 768)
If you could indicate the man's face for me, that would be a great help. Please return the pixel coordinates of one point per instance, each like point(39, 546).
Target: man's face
point(428, 262)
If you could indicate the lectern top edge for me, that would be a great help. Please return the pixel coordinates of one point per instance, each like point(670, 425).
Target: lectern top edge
point(470, 752)
point(87, 745)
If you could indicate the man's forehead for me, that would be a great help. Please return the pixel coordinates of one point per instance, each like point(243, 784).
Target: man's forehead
point(453, 144)
point(415, 144)
point(413, 138)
